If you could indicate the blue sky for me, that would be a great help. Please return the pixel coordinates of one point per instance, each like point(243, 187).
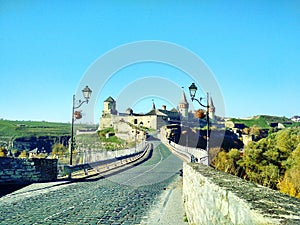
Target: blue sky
point(46, 47)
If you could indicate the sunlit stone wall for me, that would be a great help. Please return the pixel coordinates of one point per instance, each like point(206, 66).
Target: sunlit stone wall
point(214, 197)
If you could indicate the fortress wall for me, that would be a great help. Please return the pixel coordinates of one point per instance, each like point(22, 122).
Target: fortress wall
point(24, 171)
point(214, 197)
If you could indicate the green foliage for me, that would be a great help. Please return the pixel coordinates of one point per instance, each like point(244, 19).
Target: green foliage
point(227, 162)
point(15, 152)
point(264, 161)
point(23, 154)
point(273, 161)
point(59, 150)
point(88, 141)
point(112, 138)
point(3, 152)
point(290, 183)
point(256, 121)
point(263, 121)
point(254, 131)
point(103, 132)
point(42, 155)
point(185, 219)
point(113, 142)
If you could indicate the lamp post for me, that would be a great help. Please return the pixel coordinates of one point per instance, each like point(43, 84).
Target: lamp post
point(140, 126)
point(186, 136)
point(136, 132)
point(86, 94)
point(193, 89)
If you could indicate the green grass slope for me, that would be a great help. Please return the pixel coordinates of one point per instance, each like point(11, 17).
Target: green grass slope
point(263, 121)
point(14, 129)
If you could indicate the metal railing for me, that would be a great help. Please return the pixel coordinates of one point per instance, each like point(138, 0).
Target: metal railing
point(105, 164)
point(192, 154)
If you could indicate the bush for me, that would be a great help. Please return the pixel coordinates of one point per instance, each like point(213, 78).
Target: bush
point(23, 154)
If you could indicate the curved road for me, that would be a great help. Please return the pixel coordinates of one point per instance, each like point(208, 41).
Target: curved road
point(124, 198)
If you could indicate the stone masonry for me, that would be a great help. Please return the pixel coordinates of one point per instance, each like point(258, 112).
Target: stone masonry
point(214, 197)
point(24, 171)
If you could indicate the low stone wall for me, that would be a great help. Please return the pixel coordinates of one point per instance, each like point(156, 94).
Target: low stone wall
point(214, 197)
point(24, 171)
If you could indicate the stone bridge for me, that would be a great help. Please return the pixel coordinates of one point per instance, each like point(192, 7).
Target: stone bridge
point(121, 198)
point(151, 192)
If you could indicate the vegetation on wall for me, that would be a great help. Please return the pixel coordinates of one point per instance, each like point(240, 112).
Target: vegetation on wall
point(273, 162)
point(111, 142)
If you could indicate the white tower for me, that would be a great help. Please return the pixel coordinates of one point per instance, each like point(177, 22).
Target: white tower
point(212, 109)
point(183, 107)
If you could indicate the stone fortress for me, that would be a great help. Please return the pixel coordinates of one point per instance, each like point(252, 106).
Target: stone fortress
point(129, 124)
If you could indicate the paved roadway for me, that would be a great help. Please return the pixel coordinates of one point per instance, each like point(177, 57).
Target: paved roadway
point(124, 198)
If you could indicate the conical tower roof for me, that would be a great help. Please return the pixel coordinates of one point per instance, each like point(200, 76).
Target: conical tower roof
point(109, 99)
point(153, 105)
point(211, 103)
point(183, 99)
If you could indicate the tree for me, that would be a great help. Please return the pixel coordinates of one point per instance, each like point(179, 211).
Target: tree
point(254, 131)
point(15, 152)
point(265, 161)
point(246, 130)
point(3, 151)
point(42, 155)
point(290, 184)
point(219, 161)
point(273, 161)
point(227, 162)
point(59, 150)
point(23, 154)
point(200, 114)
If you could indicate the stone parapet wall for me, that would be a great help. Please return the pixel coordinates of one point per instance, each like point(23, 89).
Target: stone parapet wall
point(24, 171)
point(214, 197)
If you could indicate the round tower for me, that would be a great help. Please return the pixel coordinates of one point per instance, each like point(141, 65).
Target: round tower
point(183, 107)
point(212, 109)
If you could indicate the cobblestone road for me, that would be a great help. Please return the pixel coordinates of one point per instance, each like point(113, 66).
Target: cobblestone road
point(124, 198)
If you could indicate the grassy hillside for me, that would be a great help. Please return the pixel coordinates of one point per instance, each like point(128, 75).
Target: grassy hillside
point(263, 121)
point(14, 129)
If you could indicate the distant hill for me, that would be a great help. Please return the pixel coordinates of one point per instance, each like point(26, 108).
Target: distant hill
point(15, 129)
point(32, 134)
point(263, 121)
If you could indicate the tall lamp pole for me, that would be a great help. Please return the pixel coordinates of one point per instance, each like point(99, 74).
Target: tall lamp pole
point(193, 89)
point(86, 94)
point(140, 126)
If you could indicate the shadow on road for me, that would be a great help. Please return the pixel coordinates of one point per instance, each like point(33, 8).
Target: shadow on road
point(9, 188)
point(151, 138)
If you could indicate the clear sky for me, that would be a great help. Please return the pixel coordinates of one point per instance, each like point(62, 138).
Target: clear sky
point(252, 48)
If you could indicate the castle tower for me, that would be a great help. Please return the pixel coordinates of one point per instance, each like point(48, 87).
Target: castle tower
point(183, 107)
point(109, 107)
point(212, 109)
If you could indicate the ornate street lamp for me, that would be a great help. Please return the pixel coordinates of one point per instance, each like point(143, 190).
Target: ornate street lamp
point(77, 115)
point(193, 89)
